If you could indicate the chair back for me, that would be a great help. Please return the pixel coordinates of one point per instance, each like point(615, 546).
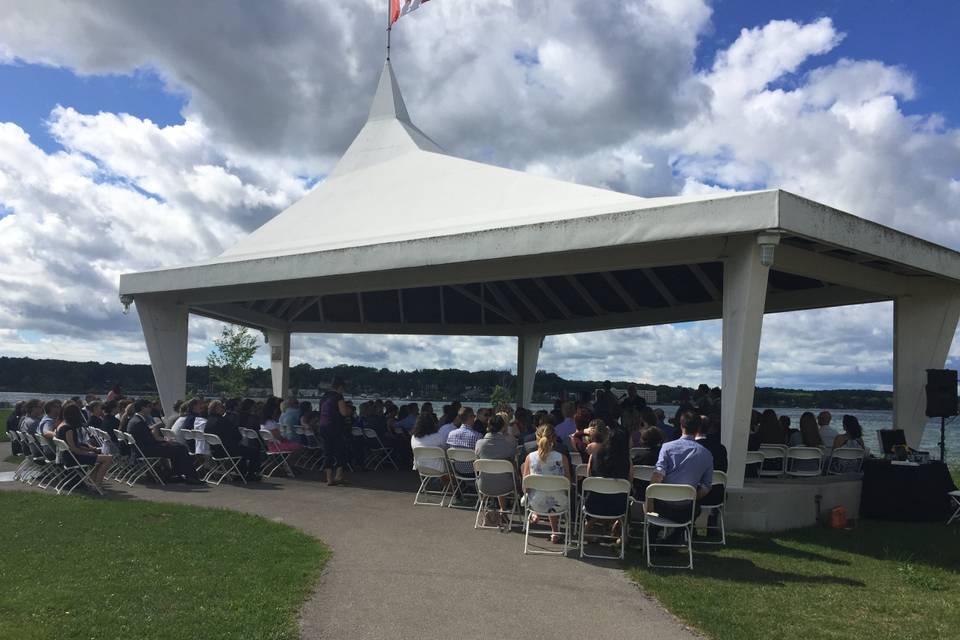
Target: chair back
point(643, 472)
point(674, 493)
point(483, 465)
point(774, 459)
point(576, 458)
point(854, 454)
point(168, 434)
point(459, 454)
point(754, 457)
point(370, 434)
point(546, 483)
point(581, 471)
point(213, 439)
point(607, 486)
point(434, 457)
point(804, 454)
point(716, 498)
point(356, 431)
point(267, 435)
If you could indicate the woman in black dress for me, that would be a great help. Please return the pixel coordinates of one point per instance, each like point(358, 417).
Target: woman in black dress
point(610, 460)
point(70, 432)
point(332, 427)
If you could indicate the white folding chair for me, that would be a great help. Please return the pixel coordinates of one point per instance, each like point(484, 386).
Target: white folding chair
point(955, 497)
point(223, 464)
point(169, 435)
point(275, 457)
point(845, 460)
point(605, 486)
point(53, 471)
point(804, 462)
point(642, 474)
point(78, 472)
point(147, 464)
point(552, 484)
point(313, 452)
point(670, 493)
point(709, 505)
point(378, 453)
point(458, 460)
point(754, 459)
point(774, 460)
point(575, 458)
point(431, 464)
point(484, 469)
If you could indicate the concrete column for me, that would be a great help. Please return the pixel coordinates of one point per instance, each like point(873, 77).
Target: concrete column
point(164, 324)
point(280, 362)
point(528, 350)
point(744, 296)
point(924, 324)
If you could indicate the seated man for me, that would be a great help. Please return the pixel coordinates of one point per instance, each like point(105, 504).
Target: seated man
point(140, 428)
point(222, 421)
point(683, 461)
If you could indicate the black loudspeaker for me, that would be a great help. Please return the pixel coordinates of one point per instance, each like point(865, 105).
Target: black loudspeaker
point(941, 393)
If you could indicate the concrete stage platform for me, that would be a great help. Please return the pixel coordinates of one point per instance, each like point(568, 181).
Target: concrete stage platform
point(778, 504)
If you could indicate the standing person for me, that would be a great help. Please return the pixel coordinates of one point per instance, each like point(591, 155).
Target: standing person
point(332, 426)
point(69, 431)
point(545, 460)
point(13, 424)
point(632, 400)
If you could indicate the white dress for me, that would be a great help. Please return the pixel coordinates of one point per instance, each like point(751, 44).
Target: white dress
point(546, 501)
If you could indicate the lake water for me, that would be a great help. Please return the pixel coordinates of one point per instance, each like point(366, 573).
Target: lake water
point(871, 421)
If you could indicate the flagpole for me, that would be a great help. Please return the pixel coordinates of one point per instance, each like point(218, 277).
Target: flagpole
point(389, 27)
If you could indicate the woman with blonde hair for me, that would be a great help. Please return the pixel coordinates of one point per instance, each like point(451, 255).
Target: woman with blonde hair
point(545, 460)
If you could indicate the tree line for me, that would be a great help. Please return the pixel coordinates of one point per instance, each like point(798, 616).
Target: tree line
point(31, 375)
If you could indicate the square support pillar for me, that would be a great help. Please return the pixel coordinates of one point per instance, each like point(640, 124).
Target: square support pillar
point(528, 351)
point(279, 362)
point(164, 324)
point(924, 323)
point(744, 297)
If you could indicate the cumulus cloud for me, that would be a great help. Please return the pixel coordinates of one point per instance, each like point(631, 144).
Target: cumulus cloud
point(605, 94)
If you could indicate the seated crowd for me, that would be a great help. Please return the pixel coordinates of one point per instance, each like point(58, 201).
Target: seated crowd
point(602, 430)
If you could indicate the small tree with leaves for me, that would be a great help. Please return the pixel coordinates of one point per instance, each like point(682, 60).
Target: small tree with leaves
point(500, 397)
point(231, 358)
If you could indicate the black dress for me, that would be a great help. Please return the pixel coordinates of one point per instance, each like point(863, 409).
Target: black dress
point(603, 504)
point(82, 458)
point(331, 428)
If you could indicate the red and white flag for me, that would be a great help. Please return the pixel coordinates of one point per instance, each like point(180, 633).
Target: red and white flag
point(398, 9)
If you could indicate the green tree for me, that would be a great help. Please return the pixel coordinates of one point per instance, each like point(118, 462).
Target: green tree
point(500, 397)
point(231, 358)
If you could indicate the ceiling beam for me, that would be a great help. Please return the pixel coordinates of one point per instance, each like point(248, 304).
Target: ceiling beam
point(579, 288)
point(841, 272)
point(527, 302)
point(484, 305)
point(553, 297)
point(238, 314)
point(493, 288)
point(706, 282)
point(303, 306)
point(360, 305)
point(620, 291)
point(660, 287)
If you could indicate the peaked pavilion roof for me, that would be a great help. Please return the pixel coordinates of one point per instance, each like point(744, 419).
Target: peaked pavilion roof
point(404, 238)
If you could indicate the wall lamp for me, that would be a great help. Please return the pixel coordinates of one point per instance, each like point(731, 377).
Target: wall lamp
point(768, 242)
point(126, 300)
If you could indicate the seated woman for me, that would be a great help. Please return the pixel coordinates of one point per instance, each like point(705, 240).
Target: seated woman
point(771, 430)
point(651, 439)
point(269, 416)
point(611, 459)
point(545, 460)
point(426, 433)
point(497, 444)
point(69, 431)
point(851, 438)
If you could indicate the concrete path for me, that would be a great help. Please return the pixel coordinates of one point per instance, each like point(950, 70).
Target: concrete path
point(400, 571)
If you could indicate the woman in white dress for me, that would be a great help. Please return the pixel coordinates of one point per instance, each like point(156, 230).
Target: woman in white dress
point(545, 460)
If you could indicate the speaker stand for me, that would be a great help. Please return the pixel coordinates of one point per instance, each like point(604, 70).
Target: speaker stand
point(943, 444)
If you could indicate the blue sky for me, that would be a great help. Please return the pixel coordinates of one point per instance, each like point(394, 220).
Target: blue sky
point(226, 130)
point(923, 36)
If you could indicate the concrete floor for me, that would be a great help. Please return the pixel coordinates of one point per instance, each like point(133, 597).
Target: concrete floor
point(400, 571)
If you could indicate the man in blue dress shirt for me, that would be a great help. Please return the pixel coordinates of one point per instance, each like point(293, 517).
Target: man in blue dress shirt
point(683, 461)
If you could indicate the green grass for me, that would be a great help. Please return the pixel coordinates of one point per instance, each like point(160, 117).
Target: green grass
point(88, 568)
point(881, 580)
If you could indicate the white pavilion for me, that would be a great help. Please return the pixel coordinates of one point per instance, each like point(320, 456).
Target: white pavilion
point(403, 238)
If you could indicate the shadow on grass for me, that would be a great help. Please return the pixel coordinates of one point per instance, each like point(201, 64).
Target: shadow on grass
point(730, 569)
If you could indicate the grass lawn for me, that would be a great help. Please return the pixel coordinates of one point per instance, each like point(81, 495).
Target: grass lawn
point(881, 580)
point(83, 568)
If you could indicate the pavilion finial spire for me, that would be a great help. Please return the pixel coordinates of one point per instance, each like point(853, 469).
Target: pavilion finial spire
point(387, 101)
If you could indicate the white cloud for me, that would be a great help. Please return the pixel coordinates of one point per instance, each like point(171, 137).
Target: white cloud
point(601, 93)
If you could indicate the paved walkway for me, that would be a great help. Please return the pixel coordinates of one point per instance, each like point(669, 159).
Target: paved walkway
point(400, 571)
